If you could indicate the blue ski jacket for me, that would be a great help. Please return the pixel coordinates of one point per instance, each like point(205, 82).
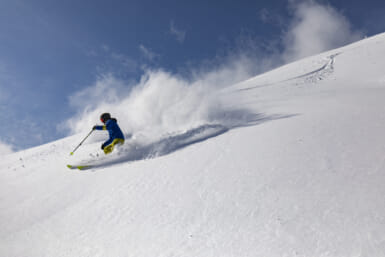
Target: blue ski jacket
point(113, 129)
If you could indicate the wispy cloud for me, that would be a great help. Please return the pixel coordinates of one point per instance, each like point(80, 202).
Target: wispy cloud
point(148, 53)
point(127, 62)
point(264, 15)
point(179, 34)
point(110, 61)
point(105, 47)
point(316, 28)
point(269, 17)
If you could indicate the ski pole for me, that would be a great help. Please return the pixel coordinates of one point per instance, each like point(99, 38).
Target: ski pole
point(72, 153)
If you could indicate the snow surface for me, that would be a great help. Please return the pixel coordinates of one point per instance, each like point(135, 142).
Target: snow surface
point(296, 167)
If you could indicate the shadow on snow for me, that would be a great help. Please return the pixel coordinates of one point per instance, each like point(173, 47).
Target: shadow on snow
point(133, 151)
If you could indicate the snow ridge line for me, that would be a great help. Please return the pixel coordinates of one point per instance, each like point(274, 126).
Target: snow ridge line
point(320, 73)
point(310, 77)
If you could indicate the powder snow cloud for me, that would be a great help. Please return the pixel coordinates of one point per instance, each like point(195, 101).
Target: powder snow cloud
point(5, 148)
point(160, 103)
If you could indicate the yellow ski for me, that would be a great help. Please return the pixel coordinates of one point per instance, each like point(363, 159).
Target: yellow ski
point(79, 167)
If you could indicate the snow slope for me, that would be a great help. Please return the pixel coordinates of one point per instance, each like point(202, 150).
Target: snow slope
point(297, 169)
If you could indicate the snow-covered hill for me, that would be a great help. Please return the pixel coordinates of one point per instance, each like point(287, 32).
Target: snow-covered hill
point(296, 167)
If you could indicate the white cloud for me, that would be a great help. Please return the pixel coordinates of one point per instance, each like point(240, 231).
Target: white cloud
point(179, 34)
point(270, 17)
point(314, 29)
point(111, 61)
point(5, 148)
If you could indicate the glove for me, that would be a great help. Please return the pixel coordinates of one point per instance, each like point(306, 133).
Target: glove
point(94, 127)
point(103, 146)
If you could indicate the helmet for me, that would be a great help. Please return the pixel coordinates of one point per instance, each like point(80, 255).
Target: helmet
point(105, 117)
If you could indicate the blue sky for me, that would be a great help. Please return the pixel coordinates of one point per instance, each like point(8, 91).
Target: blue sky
point(52, 50)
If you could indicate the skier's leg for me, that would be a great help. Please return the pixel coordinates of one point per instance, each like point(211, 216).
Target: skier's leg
point(109, 148)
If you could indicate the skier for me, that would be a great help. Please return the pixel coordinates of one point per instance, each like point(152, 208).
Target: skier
point(116, 135)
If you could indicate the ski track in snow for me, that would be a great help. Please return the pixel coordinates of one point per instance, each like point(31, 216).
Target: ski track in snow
point(308, 78)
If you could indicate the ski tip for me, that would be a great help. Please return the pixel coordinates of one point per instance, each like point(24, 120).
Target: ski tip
point(72, 153)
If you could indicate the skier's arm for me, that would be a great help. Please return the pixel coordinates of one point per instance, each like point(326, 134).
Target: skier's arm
point(99, 127)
